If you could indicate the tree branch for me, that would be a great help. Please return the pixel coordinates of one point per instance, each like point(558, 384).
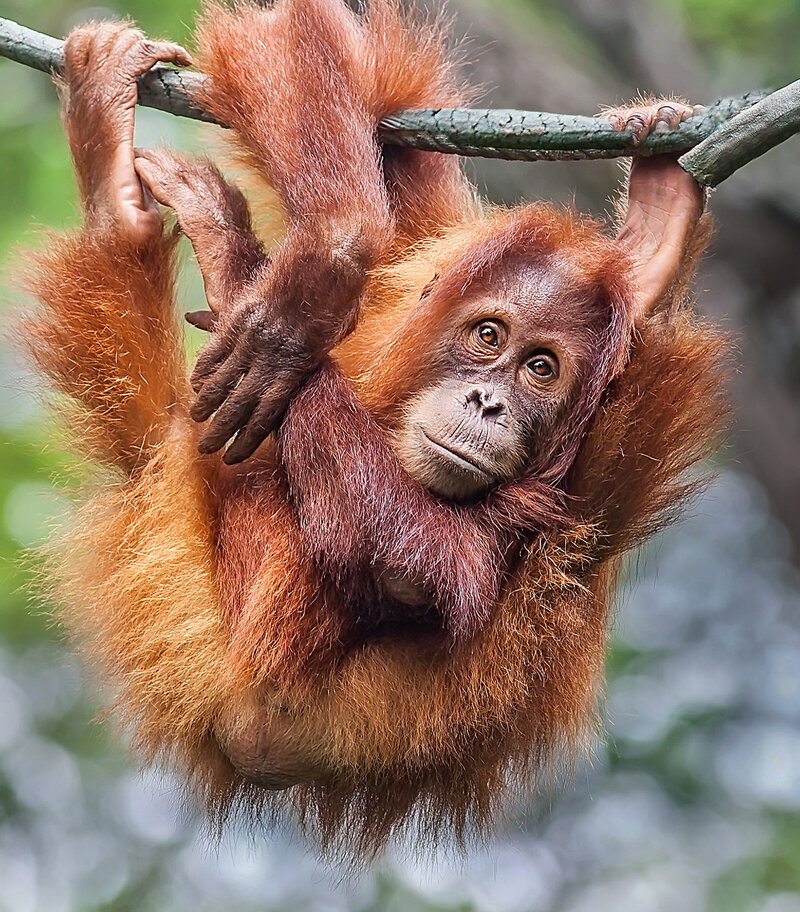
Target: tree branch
point(751, 133)
point(718, 141)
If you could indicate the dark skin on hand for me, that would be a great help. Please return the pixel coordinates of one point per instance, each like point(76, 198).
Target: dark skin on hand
point(510, 381)
point(519, 348)
point(477, 414)
point(515, 354)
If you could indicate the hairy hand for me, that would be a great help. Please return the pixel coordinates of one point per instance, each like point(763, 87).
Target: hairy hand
point(214, 215)
point(246, 376)
point(664, 203)
point(103, 62)
point(650, 116)
point(255, 360)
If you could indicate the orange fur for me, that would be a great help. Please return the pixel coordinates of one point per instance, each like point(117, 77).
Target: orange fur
point(107, 339)
point(190, 583)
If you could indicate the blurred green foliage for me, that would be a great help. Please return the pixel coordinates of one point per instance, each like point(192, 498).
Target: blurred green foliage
point(766, 31)
point(38, 194)
point(36, 189)
point(35, 176)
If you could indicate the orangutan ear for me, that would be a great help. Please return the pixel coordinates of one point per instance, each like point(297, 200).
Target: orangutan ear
point(664, 206)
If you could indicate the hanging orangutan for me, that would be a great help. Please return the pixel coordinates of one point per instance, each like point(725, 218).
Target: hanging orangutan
point(386, 600)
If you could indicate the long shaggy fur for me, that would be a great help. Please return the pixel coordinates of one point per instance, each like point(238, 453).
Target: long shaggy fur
point(107, 340)
point(213, 596)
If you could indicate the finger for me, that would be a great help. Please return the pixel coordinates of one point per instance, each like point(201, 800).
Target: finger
point(152, 175)
point(162, 161)
point(149, 202)
point(218, 349)
point(202, 319)
point(77, 48)
point(616, 121)
point(200, 178)
point(120, 39)
point(99, 42)
point(234, 414)
point(162, 52)
point(264, 420)
point(216, 389)
point(638, 127)
point(161, 170)
point(668, 118)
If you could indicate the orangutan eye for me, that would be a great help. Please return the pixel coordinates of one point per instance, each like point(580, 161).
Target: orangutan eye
point(544, 365)
point(488, 335)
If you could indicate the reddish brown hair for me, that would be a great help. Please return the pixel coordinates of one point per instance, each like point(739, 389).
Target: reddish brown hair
point(214, 598)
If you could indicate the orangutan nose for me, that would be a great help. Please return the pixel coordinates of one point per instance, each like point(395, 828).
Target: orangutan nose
point(485, 399)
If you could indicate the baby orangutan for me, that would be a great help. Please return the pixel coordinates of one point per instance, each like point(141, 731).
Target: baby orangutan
point(445, 425)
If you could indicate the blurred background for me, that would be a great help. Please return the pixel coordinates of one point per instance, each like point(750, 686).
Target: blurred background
point(692, 800)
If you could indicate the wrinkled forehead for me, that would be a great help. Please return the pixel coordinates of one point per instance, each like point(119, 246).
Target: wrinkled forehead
point(553, 290)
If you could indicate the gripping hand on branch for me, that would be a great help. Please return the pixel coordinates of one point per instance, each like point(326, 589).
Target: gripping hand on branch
point(103, 61)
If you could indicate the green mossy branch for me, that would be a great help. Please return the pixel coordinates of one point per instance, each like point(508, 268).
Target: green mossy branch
point(712, 144)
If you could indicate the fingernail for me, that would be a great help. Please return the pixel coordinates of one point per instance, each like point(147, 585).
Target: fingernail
point(638, 133)
point(204, 447)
